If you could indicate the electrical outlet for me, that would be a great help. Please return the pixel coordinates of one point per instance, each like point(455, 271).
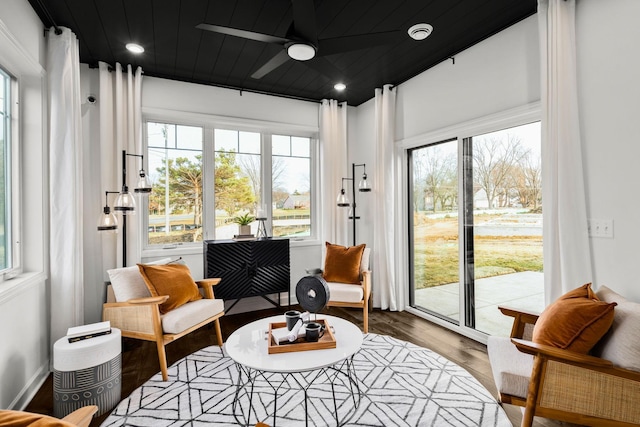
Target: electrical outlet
point(600, 228)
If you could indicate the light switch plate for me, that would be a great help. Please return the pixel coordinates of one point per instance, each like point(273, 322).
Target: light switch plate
point(601, 228)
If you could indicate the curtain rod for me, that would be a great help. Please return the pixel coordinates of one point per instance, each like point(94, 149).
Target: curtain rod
point(49, 17)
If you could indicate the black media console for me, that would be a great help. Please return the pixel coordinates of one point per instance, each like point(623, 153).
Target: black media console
point(248, 268)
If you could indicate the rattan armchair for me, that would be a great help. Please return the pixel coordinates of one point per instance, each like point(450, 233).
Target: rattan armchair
point(561, 384)
point(354, 296)
point(140, 318)
point(80, 418)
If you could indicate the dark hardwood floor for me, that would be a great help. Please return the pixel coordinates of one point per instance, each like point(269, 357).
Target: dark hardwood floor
point(140, 361)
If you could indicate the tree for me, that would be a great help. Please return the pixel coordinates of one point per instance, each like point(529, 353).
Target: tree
point(528, 181)
point(494, 160)
point(232, 188)
point(435, 179)
point(185, 187)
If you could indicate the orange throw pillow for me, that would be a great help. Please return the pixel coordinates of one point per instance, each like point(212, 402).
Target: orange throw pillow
point(342, 264)
point(173, 280)
point(576, 321)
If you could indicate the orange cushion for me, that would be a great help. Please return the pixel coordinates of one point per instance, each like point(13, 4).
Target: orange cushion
point(24, 419)
point(342, 264)
point(576, 321)
point(173, 280)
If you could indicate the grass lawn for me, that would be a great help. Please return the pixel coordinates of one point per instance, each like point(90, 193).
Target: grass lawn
point(436, 253)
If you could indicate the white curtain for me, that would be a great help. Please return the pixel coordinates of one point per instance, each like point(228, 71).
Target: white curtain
point(120, 129)
point(333, 161)
point(65, 183)
point(567, 262)
point(386, 244)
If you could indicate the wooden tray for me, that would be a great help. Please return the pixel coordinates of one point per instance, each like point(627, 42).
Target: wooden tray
point(328, 340)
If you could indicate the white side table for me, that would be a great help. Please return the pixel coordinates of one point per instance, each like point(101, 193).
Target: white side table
point(87, 372)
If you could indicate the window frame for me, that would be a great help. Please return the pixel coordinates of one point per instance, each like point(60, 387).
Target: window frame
point(12, 175)
point(209, 124)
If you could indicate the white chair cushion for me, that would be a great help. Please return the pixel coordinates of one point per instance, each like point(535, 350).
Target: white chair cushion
point(364, 263)
point(345, 292)
point(127, 282)
point(621, 344)
point(189, 314)
point(511, 368)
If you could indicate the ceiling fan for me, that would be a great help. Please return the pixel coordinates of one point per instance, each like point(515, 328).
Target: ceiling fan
point(301, 42)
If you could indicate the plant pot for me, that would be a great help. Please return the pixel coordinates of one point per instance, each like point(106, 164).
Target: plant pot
point(244, 229)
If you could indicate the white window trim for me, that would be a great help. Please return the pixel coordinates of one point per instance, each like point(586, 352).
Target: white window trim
point(209, 123)
point(17, 61)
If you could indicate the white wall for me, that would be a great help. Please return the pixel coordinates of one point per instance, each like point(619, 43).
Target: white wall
point(24, 302)
point(609, 94)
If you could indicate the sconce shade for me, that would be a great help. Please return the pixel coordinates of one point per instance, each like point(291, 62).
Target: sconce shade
point(144, 184)
point(125, 203)
point(343, 200)
point(364, 185)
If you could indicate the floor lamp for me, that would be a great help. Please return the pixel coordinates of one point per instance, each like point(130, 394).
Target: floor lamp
point(125, 203)
point(363, 187)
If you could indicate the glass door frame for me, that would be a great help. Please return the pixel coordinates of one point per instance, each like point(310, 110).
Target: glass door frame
point(463, 131)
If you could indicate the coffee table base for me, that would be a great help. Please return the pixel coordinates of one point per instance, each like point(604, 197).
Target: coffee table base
point(330, 392)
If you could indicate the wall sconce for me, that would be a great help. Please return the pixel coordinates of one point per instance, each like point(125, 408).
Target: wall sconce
point(125, 203)
point(363, 187)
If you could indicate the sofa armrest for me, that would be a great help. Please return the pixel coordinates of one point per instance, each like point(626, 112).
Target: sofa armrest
point(521, 319)
point(561, 355)
point(366, 284)
point(207, 285)
point(137, 318)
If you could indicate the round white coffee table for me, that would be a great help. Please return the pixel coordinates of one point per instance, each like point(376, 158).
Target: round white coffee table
point(319, 374)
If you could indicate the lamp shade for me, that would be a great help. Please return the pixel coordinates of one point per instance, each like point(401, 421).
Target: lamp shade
point(364, 185)
point(144, 184)
point(125, 203)
point(343, 200)
point(107, 221)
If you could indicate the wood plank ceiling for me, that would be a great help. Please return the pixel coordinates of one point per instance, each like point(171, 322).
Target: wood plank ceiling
point(176, 49)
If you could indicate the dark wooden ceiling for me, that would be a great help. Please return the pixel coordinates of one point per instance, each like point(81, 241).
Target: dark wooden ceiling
point(176, 49)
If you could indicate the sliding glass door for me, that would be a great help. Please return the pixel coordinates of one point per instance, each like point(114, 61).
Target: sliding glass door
point(435, 232)
point(476, 227)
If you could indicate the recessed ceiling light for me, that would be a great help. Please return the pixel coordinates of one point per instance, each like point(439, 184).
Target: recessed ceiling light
point(420, 31)
point(134, 48)
point(340, 86)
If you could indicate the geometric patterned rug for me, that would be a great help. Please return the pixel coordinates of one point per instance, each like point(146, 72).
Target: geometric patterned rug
point(401, 384)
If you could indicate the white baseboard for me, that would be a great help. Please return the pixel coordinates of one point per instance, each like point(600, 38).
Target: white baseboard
point(31, 388)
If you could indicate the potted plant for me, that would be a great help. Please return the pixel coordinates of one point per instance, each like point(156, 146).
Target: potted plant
point(243, 222)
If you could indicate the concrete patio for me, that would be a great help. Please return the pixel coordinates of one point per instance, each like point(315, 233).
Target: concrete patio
point(518, 290)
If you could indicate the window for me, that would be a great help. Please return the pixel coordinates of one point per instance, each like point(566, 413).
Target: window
point(291, 185)
point(6, 250)
point(237, 180)
point(204, 176)
point(175, 170)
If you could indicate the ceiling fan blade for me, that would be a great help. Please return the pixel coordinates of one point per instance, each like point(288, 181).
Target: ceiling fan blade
point(271, 65)
point(361, 41)
point(266, 38)
point(304, 20)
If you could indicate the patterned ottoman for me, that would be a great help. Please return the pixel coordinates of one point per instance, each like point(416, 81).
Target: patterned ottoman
point(87, 372)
